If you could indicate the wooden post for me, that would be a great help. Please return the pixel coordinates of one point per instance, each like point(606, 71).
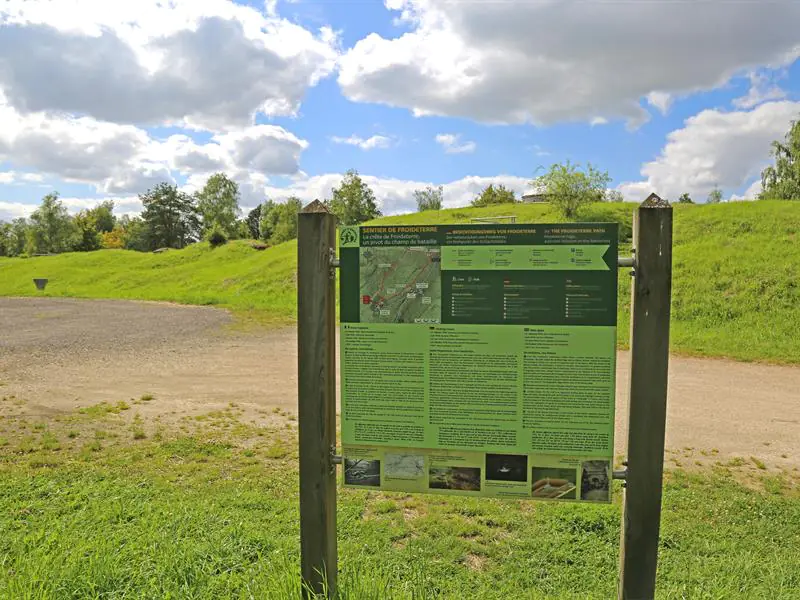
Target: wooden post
point(650, 313)
point(316, 362)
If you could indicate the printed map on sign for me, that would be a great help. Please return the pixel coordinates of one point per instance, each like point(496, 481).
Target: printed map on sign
point(400, 285)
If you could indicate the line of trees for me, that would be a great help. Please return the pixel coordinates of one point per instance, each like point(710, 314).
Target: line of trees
point(171, 218)
point(567, 186)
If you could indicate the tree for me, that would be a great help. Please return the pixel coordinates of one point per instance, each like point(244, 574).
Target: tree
point(170, 217)
point(492, 194)
point(715, 197)
point(781, 181)
point(254, 222)
point(286, 223)
point(568, 186)
point(88, 238)
point(429, 199)
point(268, 220)
point(279, 220)
point(19, 228)
point(103, 215)
point(685, 198)
point(242, 230)
point(51, 228)
point(133, 232)
point(614, 196)
point(6, 231)
point(13, 236)
point(218, 204)
point(114, 239)
point(353, 202)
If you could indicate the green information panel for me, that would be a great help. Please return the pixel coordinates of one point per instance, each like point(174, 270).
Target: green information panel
point(479, 359)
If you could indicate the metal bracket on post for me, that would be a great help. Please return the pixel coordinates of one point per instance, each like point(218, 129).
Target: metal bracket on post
point(628, 261)
point(333, 260)
point(620, 474)
point(336, 459)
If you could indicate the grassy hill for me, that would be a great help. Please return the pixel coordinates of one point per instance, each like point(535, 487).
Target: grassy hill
point(736, 272)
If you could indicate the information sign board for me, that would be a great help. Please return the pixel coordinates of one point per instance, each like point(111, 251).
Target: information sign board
point(479, 359)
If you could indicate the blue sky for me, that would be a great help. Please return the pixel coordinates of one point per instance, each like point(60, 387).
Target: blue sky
point(100, 100)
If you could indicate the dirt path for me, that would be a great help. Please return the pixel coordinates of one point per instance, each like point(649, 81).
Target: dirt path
point(61, 354)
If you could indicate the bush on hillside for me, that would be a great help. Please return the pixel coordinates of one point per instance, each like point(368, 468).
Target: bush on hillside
point(217, 237)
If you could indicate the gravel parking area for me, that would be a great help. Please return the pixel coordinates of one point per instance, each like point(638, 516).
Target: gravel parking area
point(57, 355)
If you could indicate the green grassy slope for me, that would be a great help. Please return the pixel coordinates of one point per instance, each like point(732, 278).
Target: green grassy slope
point(233, 276)
point(736, 275)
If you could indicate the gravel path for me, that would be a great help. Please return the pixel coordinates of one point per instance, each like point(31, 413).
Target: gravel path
point(55, 328)
point(60, 354)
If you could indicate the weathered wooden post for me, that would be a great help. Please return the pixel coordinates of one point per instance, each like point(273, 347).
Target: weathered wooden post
point(316, 361)
point(650, 314)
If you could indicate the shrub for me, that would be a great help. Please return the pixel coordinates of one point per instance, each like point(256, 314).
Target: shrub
point(217, 237)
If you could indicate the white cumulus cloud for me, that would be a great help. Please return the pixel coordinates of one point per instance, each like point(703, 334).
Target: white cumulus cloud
point(762, 89)
point(370, 143)
point(452, 144)
point(119, 159)
point(207, 63)
point(548, 61)
point(715, 148)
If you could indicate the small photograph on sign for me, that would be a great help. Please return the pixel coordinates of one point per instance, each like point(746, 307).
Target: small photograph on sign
point(362, 472)
point(466, 479)
point(558, 484)
point(595, 480)
point(506, 467)
point(404, 466)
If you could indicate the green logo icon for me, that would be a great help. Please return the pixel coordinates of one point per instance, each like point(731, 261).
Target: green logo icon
point(348, 237)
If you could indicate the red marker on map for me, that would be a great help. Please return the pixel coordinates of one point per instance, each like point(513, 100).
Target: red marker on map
point(366, 299)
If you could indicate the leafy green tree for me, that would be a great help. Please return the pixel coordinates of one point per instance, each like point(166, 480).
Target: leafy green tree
point(218, 204)
point(569, 187)
point(19, 235)
point(715, 197)
point(51, 228)
point(279, 220)
point(88, 237)
point(254, 222)
point(242, 230)
point(134, 233)
point(6, 231)
point(353, 201)
point(170, 217)
point(430, 198)
point(781, 181)
point(493, 194)
point(12, 237)
point(103, 215)
point(268, 220)
point(286, 223)
point(685, 198)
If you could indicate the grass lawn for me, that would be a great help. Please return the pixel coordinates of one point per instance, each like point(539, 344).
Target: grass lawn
point(101, 504)
point(735, 290)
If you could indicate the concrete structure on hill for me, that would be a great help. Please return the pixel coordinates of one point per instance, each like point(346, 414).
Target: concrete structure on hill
point(534, 198)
